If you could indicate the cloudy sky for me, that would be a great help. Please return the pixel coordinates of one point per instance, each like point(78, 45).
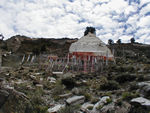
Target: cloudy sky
point(113, 19)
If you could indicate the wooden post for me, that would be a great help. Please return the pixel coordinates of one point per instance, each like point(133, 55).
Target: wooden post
point(0, 60)
point(107, 58)
point(85, 65)
point(92, 64)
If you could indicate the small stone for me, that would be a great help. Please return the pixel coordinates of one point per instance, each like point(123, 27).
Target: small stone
point(56, 108)
point(110, 108)
point(19, 81)
point(102, 101)
point(41, 79)
point(37, 73)
point(51, 79)
point(32, 77)
point(39, 85)
point(7, 74)
point(85, 106)
point(65, 95)
point(75, 91)
point(144, 88)
point(8, 87)
point(75, 100)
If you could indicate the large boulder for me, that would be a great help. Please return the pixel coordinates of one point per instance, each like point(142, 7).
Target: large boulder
point(75, 100)
point(87, 106)
point(56, 108)
point(142, 101)
point(144, 88)
point(102, 101)
point(140, 104)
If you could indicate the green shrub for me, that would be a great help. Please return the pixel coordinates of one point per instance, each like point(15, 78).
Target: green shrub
point(129, 95)
point(125, 78)
point(119, 102)
point(40, 109)
point(133, 86)
point(110, 85)
point(90, 107)
point(140, 78)
point(94, 100)
point(58, 89)
point(69, 82)
point(99, 107)
point(87, 96)
point(108, 100)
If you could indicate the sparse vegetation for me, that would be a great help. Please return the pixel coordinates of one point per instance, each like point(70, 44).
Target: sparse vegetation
point(69, 109)
point(69, 82)
point(125, 78)
point(110, 85)
point(129, 95)
point(118, 80)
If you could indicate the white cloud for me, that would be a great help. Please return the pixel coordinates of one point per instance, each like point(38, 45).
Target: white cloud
point(145, 10)
point(61, 18)
point(144, 22)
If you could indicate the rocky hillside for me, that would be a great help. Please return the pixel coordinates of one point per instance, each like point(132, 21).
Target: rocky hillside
point(22, 44)
point(122, 87)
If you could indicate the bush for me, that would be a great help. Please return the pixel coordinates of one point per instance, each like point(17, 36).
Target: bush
point(125, 77)
point(69, 82)
point(133, 86)
point(108, 100)
point(90, 107)
point(128, 95)
point(94, 100)
point(110, 85)
point(58, 89)
point(87, 96)
point(124, 68)
point(119, 102)
point(140, 78)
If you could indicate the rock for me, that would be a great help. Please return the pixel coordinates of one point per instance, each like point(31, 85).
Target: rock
point(30, 87)
point(142, 84)
point(8, 87)
point(32, 77)
point(56, 108)
point(125, 108)
point(86, 107)
point(51, 79)
point(65, 95)
point(7, 74)
point(144, 88)
point(66, 75)
point(142, 101)
point(41, 79)
point(19, 81)
point(2, 79)
point(3, 97)
point(38, 73)
point(110, 108)
point(102, 101)
point(75, 100)
point(39, 85)
point(75, 91)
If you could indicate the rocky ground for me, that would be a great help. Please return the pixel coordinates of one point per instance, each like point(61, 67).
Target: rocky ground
point(122, 87)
